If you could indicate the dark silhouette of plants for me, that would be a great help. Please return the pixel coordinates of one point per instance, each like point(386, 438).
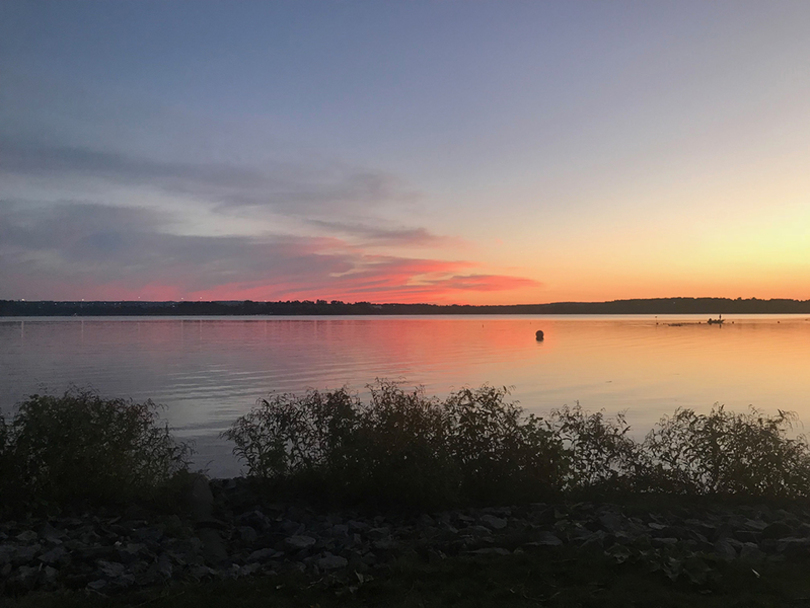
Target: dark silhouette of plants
point(400, 448)
point(601, 455)
point(403, 448)
point(80, 447)
point(726, 453)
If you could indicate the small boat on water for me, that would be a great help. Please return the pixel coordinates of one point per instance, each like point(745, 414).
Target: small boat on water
point(718, 321)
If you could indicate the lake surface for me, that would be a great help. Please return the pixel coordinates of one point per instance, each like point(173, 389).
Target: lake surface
point(208, 371)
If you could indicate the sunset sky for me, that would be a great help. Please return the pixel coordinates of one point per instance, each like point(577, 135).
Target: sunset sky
point(448, 152)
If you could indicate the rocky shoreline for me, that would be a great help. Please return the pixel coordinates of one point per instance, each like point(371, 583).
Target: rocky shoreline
point(227, 532)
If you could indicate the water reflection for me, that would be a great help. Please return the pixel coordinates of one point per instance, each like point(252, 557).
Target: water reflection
point(208, 371)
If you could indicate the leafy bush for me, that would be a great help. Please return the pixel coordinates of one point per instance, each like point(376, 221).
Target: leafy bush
point(503, 454)
point(601, 455)
point(80, 447)
point(725, 453)
point(399, 448)
point(476, 447)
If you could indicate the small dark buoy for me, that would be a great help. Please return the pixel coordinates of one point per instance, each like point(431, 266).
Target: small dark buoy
point(539, 335)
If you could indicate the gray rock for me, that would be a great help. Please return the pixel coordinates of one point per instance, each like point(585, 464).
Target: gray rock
point(545, 539)
point(57, 555)
point(164, 566)
point(378, 533)
point(131, 552)
point(612, 522)
point(475, 531)
point(7, 553)
point(725, 549)
point(97, 585)
point(299, 542)
point(247, 534)
point(25, 555)
point(28, 536)
point(50, 574)
point(25, 577)
point(262, 555)
point(495, 523)
point(491, 551)
point(111, 569)
point(332, 562)
point(213, 549)
point(385, 544)
point(777, 529)
point(751, 552)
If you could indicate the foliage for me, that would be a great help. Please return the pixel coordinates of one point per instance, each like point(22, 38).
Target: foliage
point(80, 447)
point(602, 457)
point(401, 447)
point(504, 455)
point(725, 453)
point(474, 446)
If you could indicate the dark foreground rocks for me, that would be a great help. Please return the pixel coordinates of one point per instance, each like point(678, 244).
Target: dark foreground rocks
point(228, 532)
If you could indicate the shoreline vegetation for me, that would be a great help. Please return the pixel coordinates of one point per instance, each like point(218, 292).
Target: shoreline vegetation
point(404, 500)
point(653, 306)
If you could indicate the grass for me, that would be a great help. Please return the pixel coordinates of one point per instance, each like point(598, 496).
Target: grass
point(557, 577)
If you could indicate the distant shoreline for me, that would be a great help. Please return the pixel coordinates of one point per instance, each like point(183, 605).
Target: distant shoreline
point(653, 306)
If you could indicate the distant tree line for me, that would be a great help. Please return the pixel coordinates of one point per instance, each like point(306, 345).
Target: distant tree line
point(654, 306)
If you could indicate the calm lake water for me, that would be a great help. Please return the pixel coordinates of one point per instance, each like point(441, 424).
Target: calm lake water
point(208, 371)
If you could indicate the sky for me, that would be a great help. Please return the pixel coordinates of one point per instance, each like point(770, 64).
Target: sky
point(446, 152)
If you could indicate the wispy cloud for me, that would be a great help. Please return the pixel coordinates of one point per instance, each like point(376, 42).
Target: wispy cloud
point(298, 188)
point(75, 250)
point(373, 234)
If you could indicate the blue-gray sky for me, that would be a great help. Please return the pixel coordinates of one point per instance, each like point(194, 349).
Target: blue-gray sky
point(481, 152)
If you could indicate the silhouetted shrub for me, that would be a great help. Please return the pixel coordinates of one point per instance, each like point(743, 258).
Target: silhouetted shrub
point(80, 447)
point(725, 453)
point(601, 455)
point(400, 448)
point(503, 454)
point(403, 448)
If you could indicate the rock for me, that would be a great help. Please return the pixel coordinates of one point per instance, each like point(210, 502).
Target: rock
point(751, 552)
point(491, 551)
point(725, 549)
point(25, 577)
point(57, 555)
point(7, 553)
point(495, 523)
point(213, 549)
point(51, 575)
point(378, 533)
point(777, 529)
point(612, 522)
point(25, 555)
point(28, 536)
point(794, 547)
point(97, 585)
point(332, 562)
point(51, 534)
point(385, 544)
point(299, 542)
point(164, 566)
point(111, 569)
point(546, 539)
point(476, 531)
point(131, 552)
point(247, 534)
point(262, 555)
